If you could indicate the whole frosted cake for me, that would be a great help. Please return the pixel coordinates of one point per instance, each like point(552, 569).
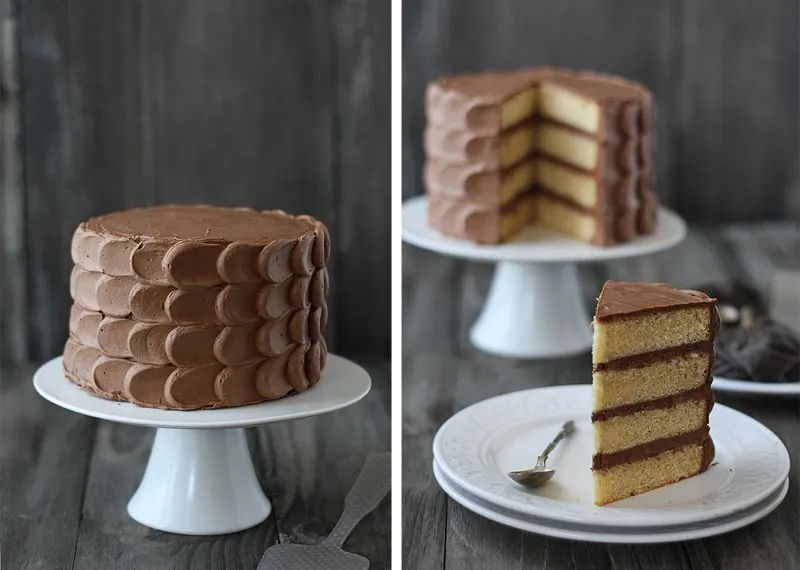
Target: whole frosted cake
point(571, 151)
point(187, 307)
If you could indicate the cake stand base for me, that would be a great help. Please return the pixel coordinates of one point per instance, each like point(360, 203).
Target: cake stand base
point(200, 478)
point(199, 481)
point(533, 311)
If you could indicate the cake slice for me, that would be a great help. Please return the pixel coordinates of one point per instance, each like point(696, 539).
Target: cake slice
point(651, 381)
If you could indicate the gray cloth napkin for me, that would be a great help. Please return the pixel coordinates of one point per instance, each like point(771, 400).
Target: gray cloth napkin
point(756, 340)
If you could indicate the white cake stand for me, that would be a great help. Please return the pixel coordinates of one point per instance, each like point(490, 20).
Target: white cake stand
point(199, 478)
point(535, 308)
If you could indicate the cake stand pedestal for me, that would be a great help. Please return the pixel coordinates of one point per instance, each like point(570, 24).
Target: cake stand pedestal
point(200, 479)
point(535, 308)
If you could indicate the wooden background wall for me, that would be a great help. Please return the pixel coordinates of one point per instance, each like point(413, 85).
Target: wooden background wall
point(724, 74)
point(270, 104)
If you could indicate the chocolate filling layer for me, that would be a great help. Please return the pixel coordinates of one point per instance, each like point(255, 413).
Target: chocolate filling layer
point(647, 358)
point(704, 392)
point(652, 448)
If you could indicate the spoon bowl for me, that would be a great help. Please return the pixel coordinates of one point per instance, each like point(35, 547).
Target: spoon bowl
point(541, 474)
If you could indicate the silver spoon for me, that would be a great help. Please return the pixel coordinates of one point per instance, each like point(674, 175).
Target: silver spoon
point(541, 474)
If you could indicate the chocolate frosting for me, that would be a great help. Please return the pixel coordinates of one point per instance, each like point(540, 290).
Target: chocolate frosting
point(190, 247)
point(653, 448)
point(620, 298)
point(212, 385)
point(196, 306)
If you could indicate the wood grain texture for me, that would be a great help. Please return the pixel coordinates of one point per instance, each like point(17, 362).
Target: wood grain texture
point(13, 337)
point(442, 298)
point(739, 140)
point(310, 465)
point(66, 481)
point(209, 102)
point(44, 458)
point(725, 82)
point(361, 123)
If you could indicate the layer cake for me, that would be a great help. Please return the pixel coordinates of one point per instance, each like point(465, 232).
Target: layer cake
point(186, 307)
point(569, 150)
point(652, 357)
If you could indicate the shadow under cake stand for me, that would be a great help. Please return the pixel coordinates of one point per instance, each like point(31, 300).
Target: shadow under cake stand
point(535, 308)
point(200, 478)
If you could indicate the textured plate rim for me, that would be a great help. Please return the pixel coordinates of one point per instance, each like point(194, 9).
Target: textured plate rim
point(543, 507)
point(624, 535)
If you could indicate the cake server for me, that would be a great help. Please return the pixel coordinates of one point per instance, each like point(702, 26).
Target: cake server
point(370, 488)
point(541, 474)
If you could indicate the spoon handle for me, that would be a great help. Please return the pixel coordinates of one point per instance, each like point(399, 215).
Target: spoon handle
point(370, 488)
point(566, 429)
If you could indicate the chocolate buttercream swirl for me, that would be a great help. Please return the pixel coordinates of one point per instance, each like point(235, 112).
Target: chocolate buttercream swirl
point(211, 385)
point(200, 246)
point(196, 344)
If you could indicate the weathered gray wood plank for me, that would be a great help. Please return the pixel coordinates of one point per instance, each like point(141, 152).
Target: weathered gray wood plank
point(44, 457)
point(14, 317)
point(311, 464)
point(747, 252)
point(739, 133)
point(430, 348)
point(361, 123)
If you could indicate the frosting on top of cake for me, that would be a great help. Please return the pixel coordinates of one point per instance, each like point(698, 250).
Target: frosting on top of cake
point(180, 222)
point(626, 298)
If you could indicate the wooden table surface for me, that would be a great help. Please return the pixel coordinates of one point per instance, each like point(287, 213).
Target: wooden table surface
point(66, 480)
point(442, 374)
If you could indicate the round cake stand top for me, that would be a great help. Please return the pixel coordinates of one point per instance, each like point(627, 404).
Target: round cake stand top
point(342, 383)
point(536, 244)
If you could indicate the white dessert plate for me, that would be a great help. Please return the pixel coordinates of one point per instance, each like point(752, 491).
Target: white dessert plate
point(342, 383)
point(536, 244)
point(477, 447)
point(753, 387)
point(610, 535)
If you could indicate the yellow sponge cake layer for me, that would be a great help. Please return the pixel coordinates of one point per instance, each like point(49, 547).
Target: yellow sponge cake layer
point(626, 386)
point(626, 431)
point(569, 108)
point(556, 215)
point(518, 108)
point(628, 479)
point(569, 146)
point(568, 182)
point(642, 333)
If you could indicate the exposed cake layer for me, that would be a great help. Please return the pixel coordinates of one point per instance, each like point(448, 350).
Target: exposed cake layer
point(205, 386)
point(658, 330)
point(648, 378)
point(201, 246)
point(597, 225)
point(587, 153)
point(193, 345)
point(471, 181)
point(126, 297)
point(626, 479)
point(596, 103)
point(669, 418)
point(481, 223)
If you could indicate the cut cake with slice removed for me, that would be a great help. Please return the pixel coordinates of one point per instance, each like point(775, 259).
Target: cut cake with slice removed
point(652, 356)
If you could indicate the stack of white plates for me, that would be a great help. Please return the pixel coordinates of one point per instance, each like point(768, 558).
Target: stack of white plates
point(475, 449)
